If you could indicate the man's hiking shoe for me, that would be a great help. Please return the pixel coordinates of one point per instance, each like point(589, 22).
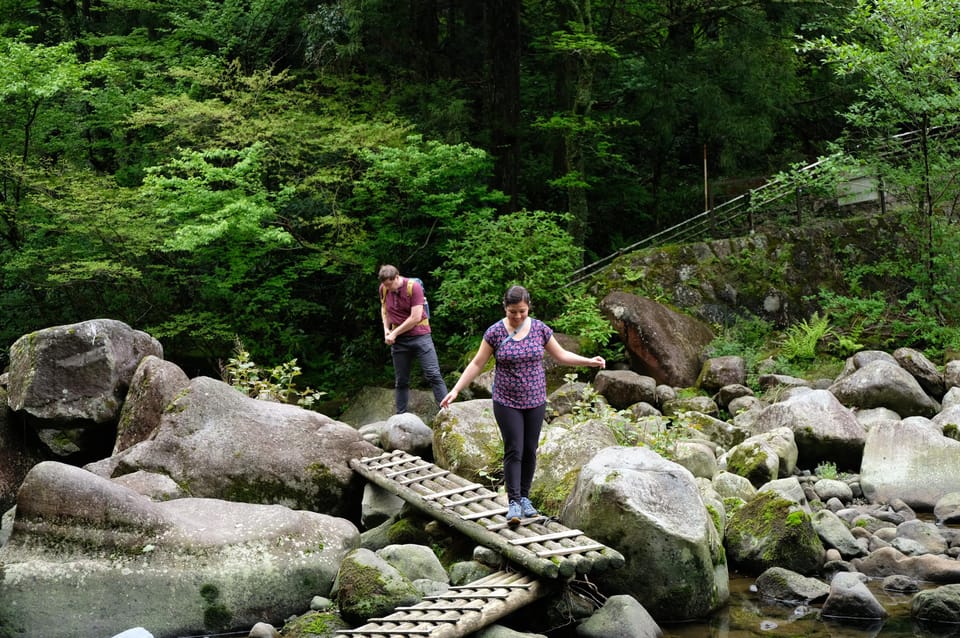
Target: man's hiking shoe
point(527, 510)
point(513, 513)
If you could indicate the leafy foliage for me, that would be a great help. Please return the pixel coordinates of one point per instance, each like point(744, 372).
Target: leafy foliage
point(800, 340)
point(273, 384)
point(527, 248)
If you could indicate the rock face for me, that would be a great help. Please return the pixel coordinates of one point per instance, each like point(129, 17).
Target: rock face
point(911, 460)
point(88, 557)
point(661, 343)
point(466, 439)
point(824, 429)
point(216, 442)
point(77, 372)
point(669, 542)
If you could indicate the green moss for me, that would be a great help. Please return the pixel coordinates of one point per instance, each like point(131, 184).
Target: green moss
point(797, 518)
point(215, 613)
point(408, 530)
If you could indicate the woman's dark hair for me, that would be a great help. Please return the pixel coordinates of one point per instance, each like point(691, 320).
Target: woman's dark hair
point(516, 294)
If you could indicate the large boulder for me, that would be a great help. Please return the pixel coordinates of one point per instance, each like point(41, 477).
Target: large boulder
point(216, 442)
point(882, 384)
point(911, 460)
point(660, 342)
point(77, 372)
point(115, 559)
point(466, 439)
point(154, 385)
point(623, 388)
point(650, 510)
point(773, 531)
point(20, 449)
point(823, 428)
point(564, 449)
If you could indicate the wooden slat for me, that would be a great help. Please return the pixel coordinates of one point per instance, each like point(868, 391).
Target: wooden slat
point(457, 490)
point(424, 466)
point(526, 540)
point(485, 514)
point(563, 551)
point(417, 479)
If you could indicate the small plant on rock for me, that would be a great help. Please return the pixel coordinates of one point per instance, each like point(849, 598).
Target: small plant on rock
point(274, 384)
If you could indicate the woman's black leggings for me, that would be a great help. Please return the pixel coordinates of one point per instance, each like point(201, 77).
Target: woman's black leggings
point(520, 430)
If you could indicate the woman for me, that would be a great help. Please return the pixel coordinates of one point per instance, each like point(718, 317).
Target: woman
point(518, 342)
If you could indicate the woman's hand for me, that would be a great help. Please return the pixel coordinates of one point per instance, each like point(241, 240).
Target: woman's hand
point(447, 400)
point(598, 362)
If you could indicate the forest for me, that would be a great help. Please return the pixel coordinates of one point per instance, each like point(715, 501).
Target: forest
point(229, 175)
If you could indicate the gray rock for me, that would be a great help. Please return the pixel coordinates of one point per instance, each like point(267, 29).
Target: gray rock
point(718, 372)
point(414, 562)
point(623, 388)
point(77, 372)
point(669, 544)
point(827, 489)
point(263, 630)
point(730, 485)
point(466, 439)
point(368, 587)
point(788, 586)
point(84, 543)
point(823, 428)
point(887, 385)
point(834, 533)
point(923, 370)
point(409, 433)
point(910, 460)
point(850, 600)
point(563, 451)
point(218, 443)
point(154, 385)
point(378, 505)
point(941, 605)
point(947, 509)
point(620, 616)
point(771, 531)
point(499, 631)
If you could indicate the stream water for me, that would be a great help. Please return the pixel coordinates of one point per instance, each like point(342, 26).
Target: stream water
point(749, 616)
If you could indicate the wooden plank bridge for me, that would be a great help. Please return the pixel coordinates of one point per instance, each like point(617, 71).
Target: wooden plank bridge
point(539, 545)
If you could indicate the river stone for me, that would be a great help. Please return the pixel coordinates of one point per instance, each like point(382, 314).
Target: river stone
point(116, 559)
point(911, 460)
point(788, 586)
point(154, 385)
point(850, 599)
point(368, 587)
point(669, 544)
point(216, 442)
point(884, 384)
point(77, 372)
point(620, 616)
point(823, 428)
point(772, 531)
point(940, 605)
point(466, 439)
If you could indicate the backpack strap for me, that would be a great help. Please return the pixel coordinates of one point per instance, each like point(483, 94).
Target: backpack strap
point(426, 320)
point(383, 299)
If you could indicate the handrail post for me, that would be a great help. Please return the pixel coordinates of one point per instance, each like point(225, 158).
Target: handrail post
point(799, 194)
point(749, 197)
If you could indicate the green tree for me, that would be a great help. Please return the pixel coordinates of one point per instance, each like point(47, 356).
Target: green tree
point(529, 248)
point(906, 54)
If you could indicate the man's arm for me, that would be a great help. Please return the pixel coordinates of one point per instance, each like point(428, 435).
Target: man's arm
point(416, 315)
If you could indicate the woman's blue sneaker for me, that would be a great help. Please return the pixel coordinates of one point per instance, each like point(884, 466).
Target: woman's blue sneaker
point(527, 509)
point(513, 513)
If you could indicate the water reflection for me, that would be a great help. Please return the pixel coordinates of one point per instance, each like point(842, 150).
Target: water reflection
point(749, 615)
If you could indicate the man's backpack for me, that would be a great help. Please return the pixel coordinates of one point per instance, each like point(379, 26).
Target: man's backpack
point(410, 280)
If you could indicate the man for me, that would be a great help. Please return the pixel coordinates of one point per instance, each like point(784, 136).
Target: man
point(407, 331)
